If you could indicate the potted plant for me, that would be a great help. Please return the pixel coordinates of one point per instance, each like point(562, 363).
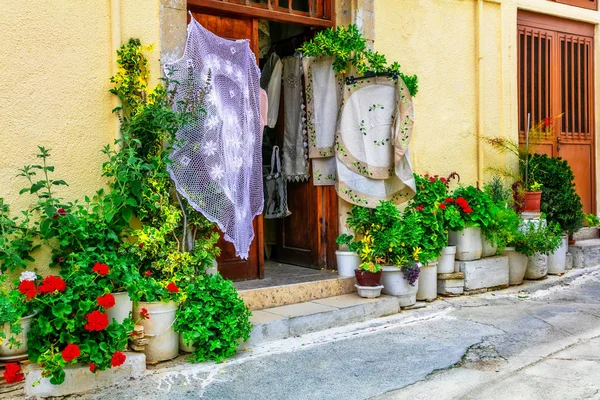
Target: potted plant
point(536, 241)
point(347, 260)
point(16, 314)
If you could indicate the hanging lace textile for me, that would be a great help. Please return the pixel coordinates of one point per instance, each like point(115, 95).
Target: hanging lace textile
point(373, 162)
point(275, 189)
point(295, 145)
point(217, 163)
point(323, 89)
point(270, 80)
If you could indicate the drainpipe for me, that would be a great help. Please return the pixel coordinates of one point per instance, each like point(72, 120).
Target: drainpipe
point(479, 94)
point(115, 44)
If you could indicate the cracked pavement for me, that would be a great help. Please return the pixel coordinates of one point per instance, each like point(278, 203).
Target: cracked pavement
point(538, 341)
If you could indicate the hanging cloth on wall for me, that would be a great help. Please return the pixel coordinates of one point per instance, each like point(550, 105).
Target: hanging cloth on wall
point(323, 88)
point(275, 189)
point(217, 165)
point(270, 80)
point(295, 145)
point(374, 130)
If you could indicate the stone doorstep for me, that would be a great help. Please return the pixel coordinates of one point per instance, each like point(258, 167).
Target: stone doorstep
point(311, 316)
point(489, 272)
point(586, 253)
point(79, 379)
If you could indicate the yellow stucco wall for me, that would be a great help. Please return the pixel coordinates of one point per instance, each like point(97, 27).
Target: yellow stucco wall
point(57, 60)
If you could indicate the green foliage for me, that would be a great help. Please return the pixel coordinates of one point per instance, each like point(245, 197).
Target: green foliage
point(17, 238)
point(591, 220)
point(504, 223)
point(13, 307)
point(349, 49)
point(560, 201)
point(213, 318)
point(537, 238)
point(477, 211)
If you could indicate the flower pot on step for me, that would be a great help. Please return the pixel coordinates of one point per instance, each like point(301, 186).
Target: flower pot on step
point(557, 261)
point(517, 264)
point(487, 249)
point(184, 347)
point(394, 284)
point(163, 340)
point(537, 266)
point(122, 309)
point(14, 353)
point(446, 260)
point(532, 201)
point(369, 292)
point(468, 243)
point(347, 262)
point(427, 288)
point(366, 278)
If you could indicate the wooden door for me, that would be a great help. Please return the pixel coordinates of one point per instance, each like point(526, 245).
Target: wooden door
point(556, 76)
point(231, 266)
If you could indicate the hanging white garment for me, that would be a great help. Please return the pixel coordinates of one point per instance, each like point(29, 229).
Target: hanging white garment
point(270, 80)
point(373, 162)
point(295, 144)
point(217, 164)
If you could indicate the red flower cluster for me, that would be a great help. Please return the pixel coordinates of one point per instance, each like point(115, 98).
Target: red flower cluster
point(101, 269)
point(432, 179)
point(117, 359)
point(70, 352)
point(52, 283)
point(144, 314)
point(96, 321)
point(442, 206)
point(419, 208)
point(449, 200)
point(61, 211)
point(148, 273)
point(28, 289)
point(12, 373)
point(106, 300)
point(444, 180)
point(92, 367)
point(547, 122)
point(172, 287)
point(464, 205)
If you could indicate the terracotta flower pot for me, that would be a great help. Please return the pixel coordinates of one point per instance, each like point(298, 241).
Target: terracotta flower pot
point(532, 201)
point(366, 278)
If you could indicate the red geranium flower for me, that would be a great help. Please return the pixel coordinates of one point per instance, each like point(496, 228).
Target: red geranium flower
point(61, 211)
point(106, 301)
point(96, 321)
point(144, 314)
point(462, 203)
point(449, 200)
point(442, 206)
point(141, 245)
point(28, 289)
point(12, 373)
point(52, 283)
point(467, 210)
point(419, 208)
point(92, 367)
point(444, 180)
point(148, 273)
point(71, 352)
point(172, 287)
point(100, 269)
point(117, 359)
point(432, 179)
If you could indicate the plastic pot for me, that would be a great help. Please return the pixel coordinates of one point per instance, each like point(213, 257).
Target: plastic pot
point(468, 243)
point(517, 264)
point(446, 260)
point(557, 261)
point(532, 201)
point(16, 353)
point(347, 262)
point(122, 308)
point(369, 292)
point(164, 341)
point(427, 288)
point(537, 266)
point(394, 284)
point(366, 278)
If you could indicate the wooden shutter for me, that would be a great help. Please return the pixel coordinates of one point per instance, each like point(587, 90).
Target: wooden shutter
point(591, 4)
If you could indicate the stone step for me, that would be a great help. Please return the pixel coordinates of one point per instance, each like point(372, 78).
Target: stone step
point(275, 296)
point(489, 272)
point(586, 253)
point(311, 316)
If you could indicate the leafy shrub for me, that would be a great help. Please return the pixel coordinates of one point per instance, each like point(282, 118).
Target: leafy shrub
point(468, 206)
point(213, 318)
point(537, 238)
point(504, 224)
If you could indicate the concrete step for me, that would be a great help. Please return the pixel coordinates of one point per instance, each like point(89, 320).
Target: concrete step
point(275, 296)
point(311, 316)
point(586, 253)
point(485, 273)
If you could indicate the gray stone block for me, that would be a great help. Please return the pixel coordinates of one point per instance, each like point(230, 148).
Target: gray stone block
point(569, 261)
point(450, 287)
point(485, 273)
point(586, 253)
point(586, 233)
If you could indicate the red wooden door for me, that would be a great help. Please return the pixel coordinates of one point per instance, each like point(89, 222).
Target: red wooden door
point(556, 77)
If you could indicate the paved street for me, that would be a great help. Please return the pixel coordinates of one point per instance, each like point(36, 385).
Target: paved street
point(503, 345)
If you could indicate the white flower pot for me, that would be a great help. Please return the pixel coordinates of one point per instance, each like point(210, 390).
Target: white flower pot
point(184, 347)
point(467, 242)
point(369, 292)
point(16, 353)
point(487, 249)
point(214, 269)
point(347, 262)
point(446, 260)
point(427, 288)
point(557, 261)
point(164, 341)
point(394, 284)
point(122, 308)
point(537, 266)
point(517, 264)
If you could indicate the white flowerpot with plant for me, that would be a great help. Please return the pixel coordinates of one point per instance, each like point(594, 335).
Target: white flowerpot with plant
point(428, 281)
point(536, 240)
point(347, 260)
point(16, 315)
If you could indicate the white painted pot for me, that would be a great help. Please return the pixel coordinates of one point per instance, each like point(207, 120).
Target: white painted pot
point(394, 284)
point(557, 261)
point(347, 262)
point(16, 353)
point(184, 347)
point(517, 264)
point(427, 288)
point(122, 308)
point(537, 266)
point(214, 269)
point(487, 249)
point(467, 242)
point(164, 341)
point(446, 260)
point(369, 292)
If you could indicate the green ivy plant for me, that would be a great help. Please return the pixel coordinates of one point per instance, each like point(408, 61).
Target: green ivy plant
point(213, 318)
